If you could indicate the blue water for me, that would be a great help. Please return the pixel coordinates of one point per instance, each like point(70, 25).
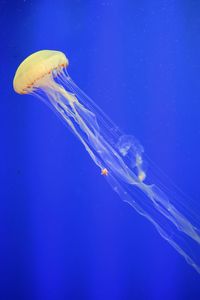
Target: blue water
point(64, 233)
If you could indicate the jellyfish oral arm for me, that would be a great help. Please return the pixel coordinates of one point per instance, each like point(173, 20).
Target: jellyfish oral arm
point(125, 176)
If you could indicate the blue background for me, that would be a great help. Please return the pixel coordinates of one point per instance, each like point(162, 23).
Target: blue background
point(64, 233)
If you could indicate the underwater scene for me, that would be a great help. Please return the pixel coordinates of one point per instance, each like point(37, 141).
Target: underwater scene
point(100, 150)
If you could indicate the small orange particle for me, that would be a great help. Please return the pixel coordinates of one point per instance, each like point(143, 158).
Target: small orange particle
point(104, 172)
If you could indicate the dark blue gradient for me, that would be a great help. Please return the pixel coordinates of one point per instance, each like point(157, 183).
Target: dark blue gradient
point(64, 233)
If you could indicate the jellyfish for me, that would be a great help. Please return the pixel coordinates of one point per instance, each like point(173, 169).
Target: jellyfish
point(120, 157)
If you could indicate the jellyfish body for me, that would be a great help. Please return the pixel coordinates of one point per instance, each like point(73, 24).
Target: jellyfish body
point(120, 157)
point(35, 67)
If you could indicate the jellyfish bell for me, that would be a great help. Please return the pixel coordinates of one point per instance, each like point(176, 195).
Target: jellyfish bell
point(37, 66)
